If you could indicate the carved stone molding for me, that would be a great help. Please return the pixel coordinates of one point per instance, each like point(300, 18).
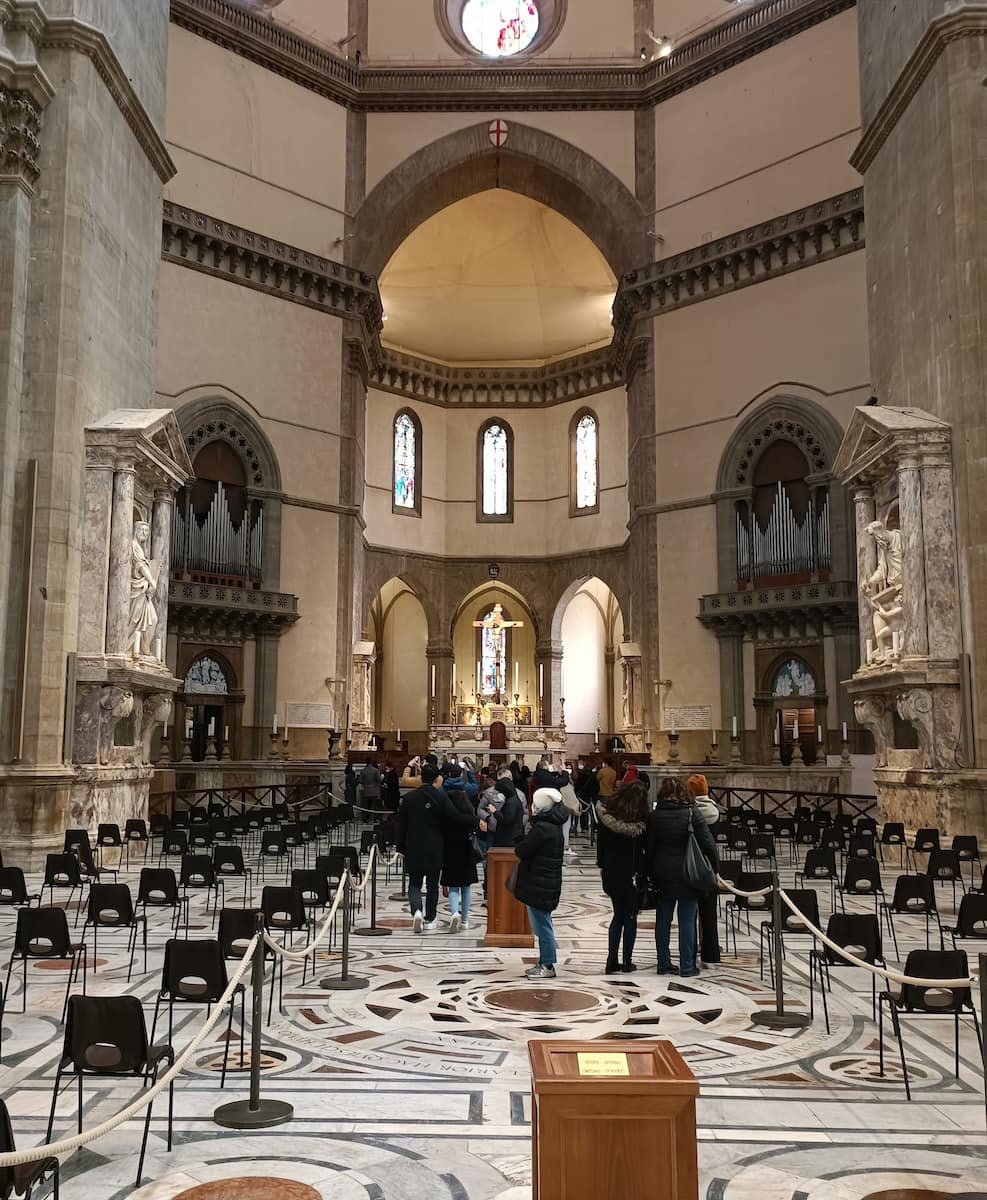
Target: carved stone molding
point(194, 239)
point(20, 129)
point(215, 612)
point(942, 30)
point(798, 239)
point(490, 387)
point(508, 87)
point(761, 609)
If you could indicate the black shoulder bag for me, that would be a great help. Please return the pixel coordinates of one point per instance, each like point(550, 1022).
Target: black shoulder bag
point(696, 871)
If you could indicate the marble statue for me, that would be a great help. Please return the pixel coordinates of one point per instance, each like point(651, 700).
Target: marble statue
point(883, 590)
point(143, 587)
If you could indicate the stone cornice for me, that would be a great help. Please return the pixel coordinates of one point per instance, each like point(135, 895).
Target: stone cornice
point(970, 21)
point(194, 239)
point(764, 607)
point(798, 239)
point(498, 387)
point(69, 33)
point(504, 88)
point(20, 127)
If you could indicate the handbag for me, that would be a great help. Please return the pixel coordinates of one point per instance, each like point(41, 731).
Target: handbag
point(696, 871)
point(645, 892)
point(476, 849)
point(511, 881)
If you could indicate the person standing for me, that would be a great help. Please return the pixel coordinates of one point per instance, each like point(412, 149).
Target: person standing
point(606, 778)
point(349, 784)
point(587, 789)
point(709, 934)
point(539, 876)
point(420, 838)
point(392, 788)
point(668, 838)
point(620, 855)
point(370, 786)
point(458, 863)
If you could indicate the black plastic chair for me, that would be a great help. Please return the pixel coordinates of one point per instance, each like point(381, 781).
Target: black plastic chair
point(860, 935)
point(792, 924)
point(738, 907)
point(198, 874)
point(111, 906)
point(294, 841)
point(43, 933)
point(194, 972)
point(314, 887)
point(181, 819)
point(738, 840)
point(92, 872)
point(967, 848)
point(273, 849)
point(108, 837)
point(926, 840)
point(913, 1000)
point(819, 867)
point(106, 1037)
point(866, 825)
point(135, 834)
point(21, 1179)
point(63, 871)
point(971, 920)
point(73, 838)
point(199, 838)
point(914, 896)
point(893, 834)
point(228, 864)
point(862, 877)
point(174, 844)
point(761, 852)
point(284, 912)
point(13, 888)
point(944, 866)
point(861, 845)
point(158, 888)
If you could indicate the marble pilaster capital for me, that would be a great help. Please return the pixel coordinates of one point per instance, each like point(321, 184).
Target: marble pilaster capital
point(435, 649)
point(548, 650)
point(20, 136)
point(863, 492)
point(124, 466)
point(164, 494)
point(100, 458)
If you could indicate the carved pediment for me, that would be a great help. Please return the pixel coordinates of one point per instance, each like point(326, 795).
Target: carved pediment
point(876, 434)
point(151, 434)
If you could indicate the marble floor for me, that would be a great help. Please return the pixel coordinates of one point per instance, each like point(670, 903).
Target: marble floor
point(417, 1085)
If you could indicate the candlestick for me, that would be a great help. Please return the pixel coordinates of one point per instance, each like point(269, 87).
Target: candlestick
point(673, 746)
point(432, 693)
point(541, 680)
point(273, 752)
point(734, 727)
point(399, 736)
point(517, 668)
point(870, 650)
point(274, 724)
point(137, 644)
point(844, 731)
point(211, 731)
point(157, 649)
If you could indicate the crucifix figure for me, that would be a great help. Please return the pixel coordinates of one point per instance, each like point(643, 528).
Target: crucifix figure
point(493, 647)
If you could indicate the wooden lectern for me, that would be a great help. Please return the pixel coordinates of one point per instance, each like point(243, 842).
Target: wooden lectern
point(507, 920)
point(612, 1119)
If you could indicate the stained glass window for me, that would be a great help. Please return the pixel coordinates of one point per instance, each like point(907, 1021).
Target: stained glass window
point(499, 28)
point(206, 676)
point(493, 657)
point(586, 462)
point(405, 461)
point(793, 678)
point(496, 468)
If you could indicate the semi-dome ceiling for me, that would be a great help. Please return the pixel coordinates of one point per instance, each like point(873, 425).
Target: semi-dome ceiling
point(497, 278)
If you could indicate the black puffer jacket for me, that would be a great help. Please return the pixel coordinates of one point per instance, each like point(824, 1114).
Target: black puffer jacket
point(668, 836)
point(510, 817)
point(421, 821)
point(539, 876)
point(620, 847)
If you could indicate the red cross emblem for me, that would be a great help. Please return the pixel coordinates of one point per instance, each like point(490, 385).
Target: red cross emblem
point(498, 133)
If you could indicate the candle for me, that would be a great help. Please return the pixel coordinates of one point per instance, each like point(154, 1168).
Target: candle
point(776, 735)
point(895, 641)
point(478, 677)
point(795, 730)
point(647, 737)
point(870, 650)
point(188, 727)
point(212, 726)
point(433, 681)
point(541, 680)
point(734, 727)
point(226, 733)
point(399, 737)
point(517, 668)
point(165, 731)
point(157, 649)
point(714, 737)
point(819, 736)
point(844, 730)
point(274, 725)
point(454, 679)
point(137, 644)
point(673, 727)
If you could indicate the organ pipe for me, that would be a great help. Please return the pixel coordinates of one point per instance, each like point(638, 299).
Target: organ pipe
point(785, 545)
point(210, 542)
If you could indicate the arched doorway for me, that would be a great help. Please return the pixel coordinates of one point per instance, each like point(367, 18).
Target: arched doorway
point(209, 705)
point(797, 710)
point(591, 631)
point(398, 629)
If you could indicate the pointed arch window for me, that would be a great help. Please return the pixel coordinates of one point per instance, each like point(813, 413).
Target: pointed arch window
point(407, 460)
point(584, 464)
point(495, 472)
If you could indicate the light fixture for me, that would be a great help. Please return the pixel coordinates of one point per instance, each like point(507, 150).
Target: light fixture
point(666, 47)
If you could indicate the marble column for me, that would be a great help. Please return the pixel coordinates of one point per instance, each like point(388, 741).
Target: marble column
point(94, 569)
point(121, 555)
point(161, 552)
point(864, 510)
point(939, 526)
point(548, 669)
point(913, 557)
point(439, 655)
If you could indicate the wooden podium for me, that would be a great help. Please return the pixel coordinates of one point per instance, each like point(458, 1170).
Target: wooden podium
point(612, 1118)
point(507, 920)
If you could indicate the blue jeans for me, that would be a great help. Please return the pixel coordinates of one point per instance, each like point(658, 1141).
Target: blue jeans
point(544, 931)
point(454, 897)
point(687, 933)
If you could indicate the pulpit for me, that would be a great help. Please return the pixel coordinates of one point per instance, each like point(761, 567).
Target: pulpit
point(507, 920)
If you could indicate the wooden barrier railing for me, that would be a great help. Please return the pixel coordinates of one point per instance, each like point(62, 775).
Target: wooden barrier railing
point(782, 802)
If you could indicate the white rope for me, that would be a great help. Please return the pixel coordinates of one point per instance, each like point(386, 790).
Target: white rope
point(724, 883)
point(886, 972)
point(301, 955)
point(15, 1158)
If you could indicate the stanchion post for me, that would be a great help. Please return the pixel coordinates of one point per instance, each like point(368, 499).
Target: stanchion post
point(255, 1113)
point(983, 1015)
point(346, 982)
point(373, 929)
point(779, 1019)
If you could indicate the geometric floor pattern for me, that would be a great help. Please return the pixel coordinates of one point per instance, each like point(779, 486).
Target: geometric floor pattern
point(417, 1086)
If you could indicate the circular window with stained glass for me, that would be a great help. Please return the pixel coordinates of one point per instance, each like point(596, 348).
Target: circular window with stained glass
point(500, 28)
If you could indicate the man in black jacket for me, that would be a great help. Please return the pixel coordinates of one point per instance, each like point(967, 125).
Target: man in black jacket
point(421, 818)
point(545, 777)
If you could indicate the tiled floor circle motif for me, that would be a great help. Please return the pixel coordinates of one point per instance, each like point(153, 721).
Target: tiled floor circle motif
point(247, 1188)
point(542, 1000)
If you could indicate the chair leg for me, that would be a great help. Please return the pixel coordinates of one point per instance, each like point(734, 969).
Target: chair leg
point(226, 1045)
point(896, 1020)
point(80, 1101)
point(54, 1101)
point(147, 1127)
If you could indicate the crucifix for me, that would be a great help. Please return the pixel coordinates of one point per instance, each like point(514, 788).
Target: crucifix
point(496, 623)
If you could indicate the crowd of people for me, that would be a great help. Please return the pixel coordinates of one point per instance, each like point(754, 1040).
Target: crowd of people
point(451, 813)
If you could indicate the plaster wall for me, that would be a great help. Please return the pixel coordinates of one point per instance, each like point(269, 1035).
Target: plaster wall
point(607, 136)
point(775, 132)
point(541, 522)
point(584, 665)
point(403, 674)
point(253, 148)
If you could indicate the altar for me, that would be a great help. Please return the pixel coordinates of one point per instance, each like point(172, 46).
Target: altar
point(490, 711)
point(475, 742)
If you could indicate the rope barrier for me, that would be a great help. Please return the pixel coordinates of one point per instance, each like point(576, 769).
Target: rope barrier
point(300, 955)
point(14, 1158)
point(725, 883)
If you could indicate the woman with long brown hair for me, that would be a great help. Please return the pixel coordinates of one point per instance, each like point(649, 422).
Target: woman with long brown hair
point(620, 847)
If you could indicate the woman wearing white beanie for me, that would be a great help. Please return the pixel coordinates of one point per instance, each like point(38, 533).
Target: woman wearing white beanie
point(539, 876)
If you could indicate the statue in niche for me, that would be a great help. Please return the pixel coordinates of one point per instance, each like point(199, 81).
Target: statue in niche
point(884, 592)
point(144, 573)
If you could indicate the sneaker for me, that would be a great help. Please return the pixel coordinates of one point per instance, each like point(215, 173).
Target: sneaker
point(540, 972)
point(417, 921)
point(428, 925)
point(465, 925)
point(454, 923)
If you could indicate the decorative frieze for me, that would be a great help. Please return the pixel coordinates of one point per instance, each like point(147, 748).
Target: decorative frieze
point(763, 609)
point(798, 239)
point(20, 129)
point(533, 86)
point(217, 612)
point(511, 387)
point(194, 239)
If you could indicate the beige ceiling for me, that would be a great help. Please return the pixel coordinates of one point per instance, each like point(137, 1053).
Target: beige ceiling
point(497, 278)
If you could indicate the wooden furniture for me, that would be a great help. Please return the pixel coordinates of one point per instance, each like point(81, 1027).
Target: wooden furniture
point(612, 1118)
point(507, 920)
